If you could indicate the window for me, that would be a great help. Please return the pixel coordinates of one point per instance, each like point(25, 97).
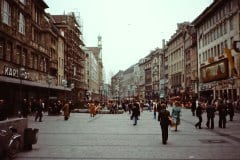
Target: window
point(9, 52)
point(6, 13)
point(24, 56)
point(31, 62)
point(41, 64)
point(1, 49)
point(44, 65)
point(35, 62)
point(18, 54)
point(21, 24)
point(74, 71)
point(23, 1)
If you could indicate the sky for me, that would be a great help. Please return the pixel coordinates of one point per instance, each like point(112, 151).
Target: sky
point(130, 29)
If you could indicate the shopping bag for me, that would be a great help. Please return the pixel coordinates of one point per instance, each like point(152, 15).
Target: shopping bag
point(171, 121)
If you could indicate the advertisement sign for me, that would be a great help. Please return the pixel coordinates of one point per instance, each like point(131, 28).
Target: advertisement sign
point(215, 71)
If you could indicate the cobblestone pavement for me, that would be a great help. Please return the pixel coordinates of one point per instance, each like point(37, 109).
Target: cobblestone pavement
point(113, 137)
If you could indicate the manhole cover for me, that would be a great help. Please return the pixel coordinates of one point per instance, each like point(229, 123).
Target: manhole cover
point(213, 141)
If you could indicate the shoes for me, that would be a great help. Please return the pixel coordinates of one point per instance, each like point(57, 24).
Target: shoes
point(134, 124)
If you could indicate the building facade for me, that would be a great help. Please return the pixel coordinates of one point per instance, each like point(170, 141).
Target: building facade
point(217, 29)
point(74, 56)
point(25, 53)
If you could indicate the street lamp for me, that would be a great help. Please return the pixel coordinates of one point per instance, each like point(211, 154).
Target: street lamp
point(49, 81)
point(64, 83)
point(100, 89)
point(72, 87)
point(21, 76)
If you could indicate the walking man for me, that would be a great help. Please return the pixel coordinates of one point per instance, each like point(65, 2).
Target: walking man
point(193, 107)
point(210, 115)
point(222, 111)
point(39, 110)
point(164, 122)
point(135, 112)
point(199, 115)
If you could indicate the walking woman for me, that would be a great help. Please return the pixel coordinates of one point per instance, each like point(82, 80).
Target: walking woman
point(92, 109)
point(176, 113)
point(66, 111)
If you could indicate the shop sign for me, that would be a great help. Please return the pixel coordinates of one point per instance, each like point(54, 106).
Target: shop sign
point(14, 72)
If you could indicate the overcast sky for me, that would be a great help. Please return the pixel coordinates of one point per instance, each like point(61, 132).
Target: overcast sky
point(130, 29)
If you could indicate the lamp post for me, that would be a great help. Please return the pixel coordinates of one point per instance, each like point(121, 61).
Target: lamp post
point(72, 87)
point(49, 81)
point(21, 76)
point(64, 83)
point(100, 89)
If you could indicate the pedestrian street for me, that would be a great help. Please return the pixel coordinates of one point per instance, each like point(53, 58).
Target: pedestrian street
point(113, 137)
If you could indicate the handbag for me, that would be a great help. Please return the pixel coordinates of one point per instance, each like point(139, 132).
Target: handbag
point(171, 121)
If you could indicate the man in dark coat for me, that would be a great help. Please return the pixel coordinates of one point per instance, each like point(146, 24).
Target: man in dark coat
point(230, 108)
point(222, 112)
point(135, 112)
point(163, 117)
point(210, 115)
point(39, 111)
point(25, 108)
point(193, 107)
point(199, 115)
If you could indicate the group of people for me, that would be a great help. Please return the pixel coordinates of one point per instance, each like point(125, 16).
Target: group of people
point(37, 107)
point(166, 119)
point(224, 108)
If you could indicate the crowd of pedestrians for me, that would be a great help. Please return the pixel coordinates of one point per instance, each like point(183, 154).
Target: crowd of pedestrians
point(160, 111)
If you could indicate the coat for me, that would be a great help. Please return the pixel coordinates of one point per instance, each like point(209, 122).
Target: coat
point(92, 109)
point(66, 110)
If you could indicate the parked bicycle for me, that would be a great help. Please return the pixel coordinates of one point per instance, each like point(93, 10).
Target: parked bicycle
point(10, 142)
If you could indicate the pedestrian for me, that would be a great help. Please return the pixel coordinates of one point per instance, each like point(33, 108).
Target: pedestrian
point(210, 115)
point(3, 110)
point(176, 113)
point(92, 110)
point(230, 109)
point(163, 118)
point(25, 108)
point(222, 112)
point(199, 112)
point(39, 110)
point(154, 110)
point(66, 110)
point(193, 107)
point(135, 112)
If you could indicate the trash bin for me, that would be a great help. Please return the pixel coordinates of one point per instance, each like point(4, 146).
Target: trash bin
point(30, 138)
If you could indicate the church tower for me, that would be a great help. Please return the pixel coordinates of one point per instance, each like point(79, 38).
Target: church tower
point(100, 47)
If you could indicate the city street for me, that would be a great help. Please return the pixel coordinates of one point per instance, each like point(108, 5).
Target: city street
point(107, 137)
